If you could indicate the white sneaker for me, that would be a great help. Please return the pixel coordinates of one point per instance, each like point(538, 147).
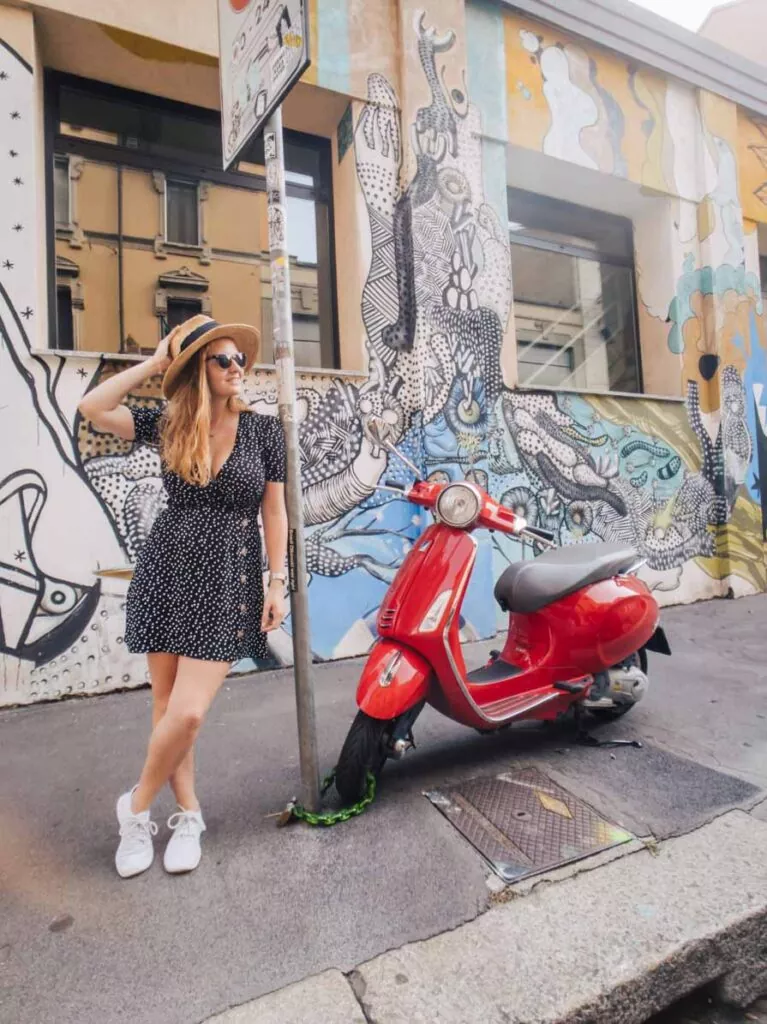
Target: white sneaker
point(183, 851)
point(136, 850)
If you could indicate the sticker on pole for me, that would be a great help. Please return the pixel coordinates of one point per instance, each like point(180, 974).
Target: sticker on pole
point(264, 50)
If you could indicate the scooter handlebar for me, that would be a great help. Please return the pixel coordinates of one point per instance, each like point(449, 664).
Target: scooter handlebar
point(536, 533)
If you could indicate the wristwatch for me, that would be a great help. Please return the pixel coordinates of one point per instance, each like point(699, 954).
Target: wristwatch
point(281, 577)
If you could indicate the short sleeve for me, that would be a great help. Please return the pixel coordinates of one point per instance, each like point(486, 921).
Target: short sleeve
point(274, 450)
point(146, 424)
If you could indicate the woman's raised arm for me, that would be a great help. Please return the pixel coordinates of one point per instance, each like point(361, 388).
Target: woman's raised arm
point(103, 405)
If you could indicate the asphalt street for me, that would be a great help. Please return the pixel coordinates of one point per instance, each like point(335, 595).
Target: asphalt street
point(268, 907)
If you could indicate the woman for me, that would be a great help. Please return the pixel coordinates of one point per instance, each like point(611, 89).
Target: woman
point(196, 601)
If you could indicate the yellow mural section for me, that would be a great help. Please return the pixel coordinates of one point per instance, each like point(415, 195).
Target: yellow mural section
point(583, 104)
point(752, 163)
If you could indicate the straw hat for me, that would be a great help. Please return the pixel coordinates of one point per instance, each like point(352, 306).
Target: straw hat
point(198, 331)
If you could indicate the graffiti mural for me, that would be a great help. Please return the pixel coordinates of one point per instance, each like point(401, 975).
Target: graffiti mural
point(60, 633)
point(752, 163)
point(680, 480)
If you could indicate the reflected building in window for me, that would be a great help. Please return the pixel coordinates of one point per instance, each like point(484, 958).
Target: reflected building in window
point(154, 232)
point(574, 305)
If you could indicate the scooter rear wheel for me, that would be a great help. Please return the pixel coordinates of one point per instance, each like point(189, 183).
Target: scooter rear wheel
point(363, 751)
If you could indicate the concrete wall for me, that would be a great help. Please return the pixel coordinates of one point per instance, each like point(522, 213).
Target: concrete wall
point(741, 26)
point(449, 105)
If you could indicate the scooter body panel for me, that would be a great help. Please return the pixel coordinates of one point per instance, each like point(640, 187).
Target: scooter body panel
point(394, 680)
point(586, 632)
point(439, 564)
point(434, 563)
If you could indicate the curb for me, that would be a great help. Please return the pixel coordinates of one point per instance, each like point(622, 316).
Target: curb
point(609, 946)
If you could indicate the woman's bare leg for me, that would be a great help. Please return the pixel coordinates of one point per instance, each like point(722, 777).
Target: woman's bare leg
point(162, 672)
point(196, 684)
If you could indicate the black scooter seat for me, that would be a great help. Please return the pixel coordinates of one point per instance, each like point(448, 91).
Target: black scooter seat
point(527, 586)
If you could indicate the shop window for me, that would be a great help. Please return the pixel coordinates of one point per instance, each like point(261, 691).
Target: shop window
point(574, 300)
point(182, 223)
point(169, 233)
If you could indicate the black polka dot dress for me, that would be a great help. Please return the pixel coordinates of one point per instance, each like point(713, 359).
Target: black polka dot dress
point(197, 589)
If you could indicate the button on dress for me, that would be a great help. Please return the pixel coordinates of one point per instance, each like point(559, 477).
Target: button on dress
point(197, 588)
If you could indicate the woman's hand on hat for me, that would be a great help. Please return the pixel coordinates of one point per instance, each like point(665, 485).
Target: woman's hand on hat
point(161, 358)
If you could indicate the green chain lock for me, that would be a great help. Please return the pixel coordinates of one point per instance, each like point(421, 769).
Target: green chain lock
point(296, 812)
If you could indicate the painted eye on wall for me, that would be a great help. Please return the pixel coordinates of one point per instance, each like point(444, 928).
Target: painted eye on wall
point(460, 102)
point(58, 598)
point(469, 412)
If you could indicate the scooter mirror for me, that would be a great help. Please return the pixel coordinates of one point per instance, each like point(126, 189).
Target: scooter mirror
point(374, 424)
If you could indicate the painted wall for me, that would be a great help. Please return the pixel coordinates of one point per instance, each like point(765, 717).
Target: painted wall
point(702, 322)
point(425, 181)
point(752, 164)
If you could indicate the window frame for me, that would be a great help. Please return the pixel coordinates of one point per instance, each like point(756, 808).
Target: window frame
point(598, 254)
point(197, 170)
point(171, 180)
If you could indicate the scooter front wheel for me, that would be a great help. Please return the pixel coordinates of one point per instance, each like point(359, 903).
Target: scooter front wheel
point(364, 751)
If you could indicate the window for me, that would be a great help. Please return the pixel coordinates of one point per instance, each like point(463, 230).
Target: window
point(149, 188)
point(574, 309)
point(763, 275)
point(65, 320)
point(182, 201)
point(180, 310)
point(61, 202)
point(549, 362)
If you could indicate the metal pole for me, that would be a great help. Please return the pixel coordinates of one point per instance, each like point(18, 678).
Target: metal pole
point(282, 319)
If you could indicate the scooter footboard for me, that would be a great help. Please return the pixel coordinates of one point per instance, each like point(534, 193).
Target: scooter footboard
point(394, 679)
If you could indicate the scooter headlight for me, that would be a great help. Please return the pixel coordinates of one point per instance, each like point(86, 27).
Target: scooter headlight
point(458, 506)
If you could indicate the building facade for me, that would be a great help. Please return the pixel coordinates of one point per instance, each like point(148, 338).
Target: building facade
point(521, 239)
point(741, 26)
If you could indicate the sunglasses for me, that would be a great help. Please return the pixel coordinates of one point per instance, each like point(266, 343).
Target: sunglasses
point(225, 361)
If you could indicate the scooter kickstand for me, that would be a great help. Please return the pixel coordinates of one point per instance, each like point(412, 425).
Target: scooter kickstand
point(591, 741)
point(583, 736)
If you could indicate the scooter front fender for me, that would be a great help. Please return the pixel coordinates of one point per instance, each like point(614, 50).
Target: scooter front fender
point(394, 679)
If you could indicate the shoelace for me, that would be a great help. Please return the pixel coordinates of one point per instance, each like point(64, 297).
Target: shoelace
point(185, 824)
point(137, 831)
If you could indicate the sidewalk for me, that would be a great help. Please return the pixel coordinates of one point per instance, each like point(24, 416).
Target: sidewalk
point(610, 944)
point(268, 908)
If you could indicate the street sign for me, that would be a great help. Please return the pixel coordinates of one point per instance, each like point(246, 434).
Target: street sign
point(263, 51)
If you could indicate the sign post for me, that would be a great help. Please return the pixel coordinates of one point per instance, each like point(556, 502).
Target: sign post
point(263, 51)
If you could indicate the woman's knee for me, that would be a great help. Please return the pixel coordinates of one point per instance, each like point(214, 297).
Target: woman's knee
point(187, 720)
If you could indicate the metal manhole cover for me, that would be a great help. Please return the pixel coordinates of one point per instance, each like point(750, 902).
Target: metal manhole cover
point(523, 823)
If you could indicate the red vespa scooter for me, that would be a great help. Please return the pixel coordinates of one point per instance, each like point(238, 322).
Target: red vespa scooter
point(579, 628)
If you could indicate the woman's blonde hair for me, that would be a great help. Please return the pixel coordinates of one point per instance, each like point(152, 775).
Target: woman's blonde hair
point(185, 430)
